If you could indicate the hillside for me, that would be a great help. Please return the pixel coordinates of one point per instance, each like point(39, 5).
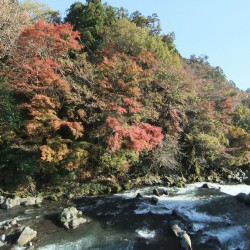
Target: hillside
point(102, 99)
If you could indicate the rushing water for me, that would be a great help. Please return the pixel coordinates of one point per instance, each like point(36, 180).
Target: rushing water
point(122, 221)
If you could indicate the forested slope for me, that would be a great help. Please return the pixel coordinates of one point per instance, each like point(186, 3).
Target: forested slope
point(104, 95)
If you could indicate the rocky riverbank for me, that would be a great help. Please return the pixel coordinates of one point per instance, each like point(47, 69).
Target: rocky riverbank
point(57, 210)
point(146, 218)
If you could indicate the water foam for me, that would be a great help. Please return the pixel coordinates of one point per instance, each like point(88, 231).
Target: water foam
point(146, 233)
point(84, 243)
point(224, 235)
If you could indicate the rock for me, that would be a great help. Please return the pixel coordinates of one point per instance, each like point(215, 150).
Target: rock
point(31, 201)
point(70, 218)
point(169, 180)
point(52, 197)
point(176, 229)
point(246, 170)
point(13, 222)
point(2, 240)
point(10, 203)
point(212, 243)
point(26, 236)
point(138, 195)
point(2, 199)
point(3, 237)
point(16, 201)
point(153, 200)
point(242, 197)
point(75, 222)
point(185, 240)
point(156, 192)
point(206, 185)
point(180, 216)
point(165, 192)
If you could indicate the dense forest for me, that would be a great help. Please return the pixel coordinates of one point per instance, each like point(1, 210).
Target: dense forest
point(101, 97)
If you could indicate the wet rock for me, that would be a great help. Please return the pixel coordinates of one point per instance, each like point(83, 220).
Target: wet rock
point(175, 228)
point(212, 243)
point(242, 197)
point(26, 236)
point(185, 240)
point(156, 192)
point(165, 192)
point(180, 216)
point(138, 195)
point(74, 223)
point(70, 218)
point(153, 200)
point(246, 171)
point(141, 243)
point(207, 185)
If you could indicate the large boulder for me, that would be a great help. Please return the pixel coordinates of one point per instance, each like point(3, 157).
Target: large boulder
point(26, 236)
point(71, 218)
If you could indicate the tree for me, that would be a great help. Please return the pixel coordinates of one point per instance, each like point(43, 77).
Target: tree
point(124, 36)
point(90, 20)
point(150, 22)
point(38, 11)
point(38, 73)
point(125, 130)
point(12, 20)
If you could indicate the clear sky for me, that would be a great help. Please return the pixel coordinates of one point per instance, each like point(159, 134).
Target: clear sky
point(219, 29)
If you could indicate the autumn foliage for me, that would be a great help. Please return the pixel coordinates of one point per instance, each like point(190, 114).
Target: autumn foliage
point(83, 105)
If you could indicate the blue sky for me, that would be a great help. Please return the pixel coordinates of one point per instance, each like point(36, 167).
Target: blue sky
point(219, 29)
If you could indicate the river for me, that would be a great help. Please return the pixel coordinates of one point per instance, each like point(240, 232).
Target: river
point(213, 218)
